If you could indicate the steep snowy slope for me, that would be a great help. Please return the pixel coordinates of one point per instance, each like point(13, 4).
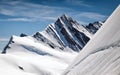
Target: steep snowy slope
point(101, 56)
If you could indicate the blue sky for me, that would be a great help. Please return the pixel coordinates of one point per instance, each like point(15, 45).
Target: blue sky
point(30, 16)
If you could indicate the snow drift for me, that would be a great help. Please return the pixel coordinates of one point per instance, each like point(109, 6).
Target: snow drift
point(101, 56)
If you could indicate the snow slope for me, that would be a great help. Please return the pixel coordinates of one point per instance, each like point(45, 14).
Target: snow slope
point(27, 57)
point(101, 56)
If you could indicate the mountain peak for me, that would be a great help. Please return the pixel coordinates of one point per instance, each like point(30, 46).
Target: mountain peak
point(65, 32)
point(65, 15)
point(65, 21)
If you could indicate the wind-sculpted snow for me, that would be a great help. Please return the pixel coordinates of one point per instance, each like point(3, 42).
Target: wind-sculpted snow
point(37, 51)
point(113, 46)
point(105, 62)
point(101, 56)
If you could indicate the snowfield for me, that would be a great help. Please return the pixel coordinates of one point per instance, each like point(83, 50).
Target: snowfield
point(26, 57)
point(101, 55)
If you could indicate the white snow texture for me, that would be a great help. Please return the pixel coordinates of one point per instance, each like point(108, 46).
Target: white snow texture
point(101, 55)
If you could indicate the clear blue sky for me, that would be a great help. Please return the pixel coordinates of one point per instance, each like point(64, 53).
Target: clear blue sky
point(30, 16)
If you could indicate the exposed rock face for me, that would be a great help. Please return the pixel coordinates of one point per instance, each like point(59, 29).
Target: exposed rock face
point(64, 33)
point(22, 35)
point(93, 27)
point(8, 45)
point(41, 38)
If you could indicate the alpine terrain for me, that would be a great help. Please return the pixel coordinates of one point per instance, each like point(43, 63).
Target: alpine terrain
point(51, 51)
point(48, 52)
point(101, 55)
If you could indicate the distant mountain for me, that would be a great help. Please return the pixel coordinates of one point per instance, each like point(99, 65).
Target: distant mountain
point(65, 32)
point(93, 27)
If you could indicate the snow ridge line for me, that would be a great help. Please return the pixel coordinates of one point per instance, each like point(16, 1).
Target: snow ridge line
point(35, 50)
point(113, 45)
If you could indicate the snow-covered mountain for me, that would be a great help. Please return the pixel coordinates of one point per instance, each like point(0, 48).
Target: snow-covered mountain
point(31, 54)
point(101, 55)
point(27, 56)
point(45, 53)
point(65, 32)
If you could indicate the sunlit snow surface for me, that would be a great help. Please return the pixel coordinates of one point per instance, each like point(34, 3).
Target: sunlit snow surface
point(27, 57)
point(101, 56)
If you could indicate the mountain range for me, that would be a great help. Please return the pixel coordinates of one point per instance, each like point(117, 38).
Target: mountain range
point(63, 34)
point(66, 48)
point(48, 52)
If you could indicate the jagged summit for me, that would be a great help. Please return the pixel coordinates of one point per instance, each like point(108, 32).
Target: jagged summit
point(66, 33)
point(65, 16)
point(93, 27)
point(63, 21)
